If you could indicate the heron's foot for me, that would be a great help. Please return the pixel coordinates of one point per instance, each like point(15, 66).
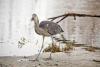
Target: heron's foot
point(46, 59)
point(36, 59)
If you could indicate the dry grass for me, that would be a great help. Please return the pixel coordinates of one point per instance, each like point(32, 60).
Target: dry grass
point(69, 45)
point(67, 48)
point(54, 48)
point(90, 48)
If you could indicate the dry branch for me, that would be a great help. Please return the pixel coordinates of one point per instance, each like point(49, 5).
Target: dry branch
point(74, 15)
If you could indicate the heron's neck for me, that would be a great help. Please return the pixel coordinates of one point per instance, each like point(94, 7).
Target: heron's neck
point(36, 26)
point(36, 21)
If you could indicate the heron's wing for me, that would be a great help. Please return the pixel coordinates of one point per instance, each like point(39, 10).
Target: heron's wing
point(51, 27)
point(45, 26)
point(54, 29)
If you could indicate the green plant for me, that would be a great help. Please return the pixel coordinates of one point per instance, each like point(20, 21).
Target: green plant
point(22, 42)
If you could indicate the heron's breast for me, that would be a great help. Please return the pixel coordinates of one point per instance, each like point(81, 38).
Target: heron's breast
point(41, 31)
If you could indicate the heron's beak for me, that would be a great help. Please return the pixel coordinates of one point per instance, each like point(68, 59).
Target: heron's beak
point(32, 19)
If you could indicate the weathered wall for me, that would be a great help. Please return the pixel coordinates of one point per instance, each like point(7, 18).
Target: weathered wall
point(82, 30)
point(14, 20)
point(15, 23)
point(15, 16)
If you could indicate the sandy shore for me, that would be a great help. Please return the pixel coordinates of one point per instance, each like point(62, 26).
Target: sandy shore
point(75, 58)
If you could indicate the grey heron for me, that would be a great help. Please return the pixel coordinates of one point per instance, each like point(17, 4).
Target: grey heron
point(45, 28)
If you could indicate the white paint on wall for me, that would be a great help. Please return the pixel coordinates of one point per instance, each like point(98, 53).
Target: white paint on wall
point(17, 14)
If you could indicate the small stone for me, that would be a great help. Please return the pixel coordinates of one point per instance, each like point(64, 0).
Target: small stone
point(56, 64)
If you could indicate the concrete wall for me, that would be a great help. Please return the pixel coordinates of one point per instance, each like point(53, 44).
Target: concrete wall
point(15, 23)
point(83, 30)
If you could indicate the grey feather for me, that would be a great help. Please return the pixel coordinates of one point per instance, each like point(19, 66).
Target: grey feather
point(51, 27)
point(45, 28)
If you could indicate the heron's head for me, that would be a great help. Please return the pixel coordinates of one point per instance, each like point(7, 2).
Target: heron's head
point(34, 16)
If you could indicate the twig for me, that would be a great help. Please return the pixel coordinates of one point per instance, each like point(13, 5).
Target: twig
point(74, 15)
point(61, 19)
point(96, 60)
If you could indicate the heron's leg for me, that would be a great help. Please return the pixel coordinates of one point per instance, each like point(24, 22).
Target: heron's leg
point(41, 48)
point(51, 49)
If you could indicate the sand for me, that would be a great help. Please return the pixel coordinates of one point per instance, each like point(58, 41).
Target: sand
point(74, 58)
